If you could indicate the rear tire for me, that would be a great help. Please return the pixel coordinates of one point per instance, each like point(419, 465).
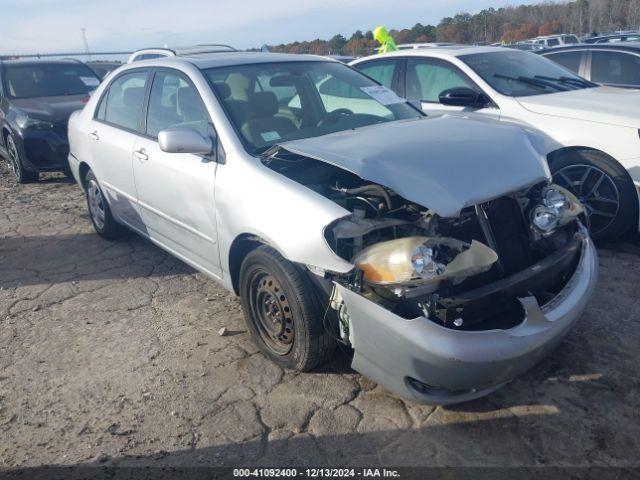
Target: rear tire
point(15, 162)
point(603, 186)
point(100, 212)
point(283, 312)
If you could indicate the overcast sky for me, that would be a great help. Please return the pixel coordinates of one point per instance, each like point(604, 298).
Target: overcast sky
point(54, 25)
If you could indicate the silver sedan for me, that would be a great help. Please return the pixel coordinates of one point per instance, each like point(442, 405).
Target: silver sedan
point(436, 249)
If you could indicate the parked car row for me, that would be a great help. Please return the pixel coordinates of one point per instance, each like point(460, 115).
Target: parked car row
point(616, 64)
point(405, 207)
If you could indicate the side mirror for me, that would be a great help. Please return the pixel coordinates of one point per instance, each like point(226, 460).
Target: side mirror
point(463, 97)
point(184, 140)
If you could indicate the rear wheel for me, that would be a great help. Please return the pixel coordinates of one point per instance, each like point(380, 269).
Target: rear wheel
point(282, 311)
point(99, 211)
point(15, 163)
point(604, 188)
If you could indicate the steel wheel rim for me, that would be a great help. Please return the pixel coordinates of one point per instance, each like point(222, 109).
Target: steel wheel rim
point(271, 313)
point(96, 204)
point(14, 161)
point(596, 190)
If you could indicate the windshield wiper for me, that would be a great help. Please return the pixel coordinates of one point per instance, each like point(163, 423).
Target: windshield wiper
point(567, 81)
point(535, 82)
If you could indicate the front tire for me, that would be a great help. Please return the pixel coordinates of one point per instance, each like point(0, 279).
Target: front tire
point(15, 163)
point(282, 311)
point(99, 211)
point(603, 186)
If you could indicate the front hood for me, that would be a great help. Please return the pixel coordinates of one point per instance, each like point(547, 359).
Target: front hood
point(50, 109)
point(444, 164)
point(613, 106)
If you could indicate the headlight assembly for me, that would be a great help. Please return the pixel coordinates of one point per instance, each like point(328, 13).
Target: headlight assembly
point(25, 122)
point(558, 207)
point(422, 260)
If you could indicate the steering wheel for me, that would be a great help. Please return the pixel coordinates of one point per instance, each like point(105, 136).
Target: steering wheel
point(334, 116)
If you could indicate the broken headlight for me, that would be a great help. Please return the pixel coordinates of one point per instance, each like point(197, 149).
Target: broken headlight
point(421, 260)
point(558, 207)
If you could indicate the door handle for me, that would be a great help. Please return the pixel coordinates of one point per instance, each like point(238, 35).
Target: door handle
point(94, 135)
point(141, 154)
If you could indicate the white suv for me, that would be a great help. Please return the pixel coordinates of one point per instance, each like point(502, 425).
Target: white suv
point(593, 137)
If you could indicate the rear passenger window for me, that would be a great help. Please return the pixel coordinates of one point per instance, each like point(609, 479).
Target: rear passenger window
point(175, 102)
point(124, 100)
point(382, 71)
point(569, 60)
point(615, 68)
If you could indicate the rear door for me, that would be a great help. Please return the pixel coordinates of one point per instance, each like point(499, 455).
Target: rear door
point(112, 136)
point(176, 190)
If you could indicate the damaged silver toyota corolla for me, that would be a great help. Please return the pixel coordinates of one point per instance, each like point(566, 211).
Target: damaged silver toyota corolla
point(436, 248)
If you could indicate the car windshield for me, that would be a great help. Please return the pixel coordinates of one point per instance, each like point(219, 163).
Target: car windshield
point(49, 80)
point(271, 103)
point(521, 74)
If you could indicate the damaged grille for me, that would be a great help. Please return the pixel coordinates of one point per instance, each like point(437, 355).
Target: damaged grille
point(510, 234)
point(504, 230)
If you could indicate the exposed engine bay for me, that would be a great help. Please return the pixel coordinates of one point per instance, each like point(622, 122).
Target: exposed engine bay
point(464, 273)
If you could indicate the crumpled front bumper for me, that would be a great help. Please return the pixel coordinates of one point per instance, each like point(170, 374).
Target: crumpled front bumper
point(422, 361)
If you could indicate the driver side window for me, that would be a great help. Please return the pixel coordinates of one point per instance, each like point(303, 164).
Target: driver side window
point(175, 102)
point(426, 79)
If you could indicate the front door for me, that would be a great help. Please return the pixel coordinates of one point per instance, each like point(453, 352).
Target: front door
point(176, 190)
point(427, 78)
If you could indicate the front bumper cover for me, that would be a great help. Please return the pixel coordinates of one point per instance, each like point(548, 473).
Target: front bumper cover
point(44, 150)
point(423, 361)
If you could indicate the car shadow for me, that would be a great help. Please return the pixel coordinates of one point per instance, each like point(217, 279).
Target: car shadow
point(37, 259)
point(485, 441)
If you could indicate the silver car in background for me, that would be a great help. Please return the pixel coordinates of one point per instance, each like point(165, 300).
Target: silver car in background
point(437, 249)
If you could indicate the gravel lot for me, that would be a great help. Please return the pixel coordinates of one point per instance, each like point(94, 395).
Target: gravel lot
point(109, 354)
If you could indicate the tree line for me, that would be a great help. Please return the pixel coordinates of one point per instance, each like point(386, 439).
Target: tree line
point(507, 24)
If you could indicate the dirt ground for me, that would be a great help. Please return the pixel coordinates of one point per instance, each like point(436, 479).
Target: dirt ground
point(110, 354)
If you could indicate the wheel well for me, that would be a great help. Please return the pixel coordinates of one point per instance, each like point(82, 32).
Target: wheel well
point(240, 248)
point(84, 169)
point(563, 151)
point(566, 150)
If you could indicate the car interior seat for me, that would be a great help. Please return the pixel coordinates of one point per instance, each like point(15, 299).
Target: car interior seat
point(263, 127)
point(237, 108)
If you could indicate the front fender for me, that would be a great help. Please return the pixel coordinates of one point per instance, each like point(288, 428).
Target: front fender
point(288, 216)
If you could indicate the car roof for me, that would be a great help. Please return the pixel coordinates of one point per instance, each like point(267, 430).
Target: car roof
point(629, 46)
point(47, 61)
point(440, 52)
point(187, 50)
point(613, 35)
point(227, 59)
